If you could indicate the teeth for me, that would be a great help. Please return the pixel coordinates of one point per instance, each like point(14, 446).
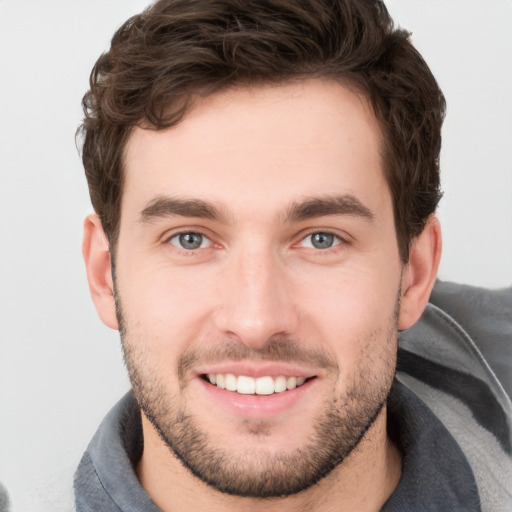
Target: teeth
point(246, 385)
point(230, 381)
point(265, 386)
point(220, 381)
point(250, 386)
point(280, 384)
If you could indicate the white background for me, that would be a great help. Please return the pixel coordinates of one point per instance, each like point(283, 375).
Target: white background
point(60, 368)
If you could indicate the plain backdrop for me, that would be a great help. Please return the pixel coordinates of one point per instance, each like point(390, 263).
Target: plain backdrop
point(60, 368)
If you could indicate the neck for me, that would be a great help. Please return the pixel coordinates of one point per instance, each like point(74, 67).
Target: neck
point(363, 482)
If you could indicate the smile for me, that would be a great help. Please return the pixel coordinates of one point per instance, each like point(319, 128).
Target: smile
point(245, 385)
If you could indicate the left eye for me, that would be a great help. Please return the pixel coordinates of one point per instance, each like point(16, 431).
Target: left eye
point(320, 240)
point(190, 241)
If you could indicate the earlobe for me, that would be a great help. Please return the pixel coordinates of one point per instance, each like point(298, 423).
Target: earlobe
point(95, 250)
point(420, 273)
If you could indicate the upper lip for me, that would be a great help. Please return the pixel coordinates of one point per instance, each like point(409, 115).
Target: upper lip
point(256, 370)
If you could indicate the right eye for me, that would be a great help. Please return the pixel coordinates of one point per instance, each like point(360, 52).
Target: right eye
point(321, 240)
point(190, 241)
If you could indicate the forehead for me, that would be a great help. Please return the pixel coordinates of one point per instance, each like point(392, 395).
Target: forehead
point(264, 145)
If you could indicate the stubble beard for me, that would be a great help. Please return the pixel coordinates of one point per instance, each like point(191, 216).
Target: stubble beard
point(345, 419)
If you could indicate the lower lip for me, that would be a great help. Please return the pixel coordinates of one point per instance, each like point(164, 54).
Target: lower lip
point(256, 406)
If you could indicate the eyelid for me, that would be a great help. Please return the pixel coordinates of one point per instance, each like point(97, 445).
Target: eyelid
point(342, 236)
point(182, 230)
point(177, 235)
point(338, 240)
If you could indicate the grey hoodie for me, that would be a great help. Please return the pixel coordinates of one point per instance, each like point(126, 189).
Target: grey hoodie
point(4, 499)
point(448, 413)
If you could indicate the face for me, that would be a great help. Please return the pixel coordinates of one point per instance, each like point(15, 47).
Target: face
point(257, 284)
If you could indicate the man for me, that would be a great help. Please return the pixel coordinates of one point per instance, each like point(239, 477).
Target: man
point(265, 176)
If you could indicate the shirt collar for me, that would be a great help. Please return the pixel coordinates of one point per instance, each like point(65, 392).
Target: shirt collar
point(435, 473)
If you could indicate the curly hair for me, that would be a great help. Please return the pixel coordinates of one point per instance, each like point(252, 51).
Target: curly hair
point(178, 50)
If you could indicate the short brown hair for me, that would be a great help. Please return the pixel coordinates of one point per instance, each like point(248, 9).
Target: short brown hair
point(177, 50)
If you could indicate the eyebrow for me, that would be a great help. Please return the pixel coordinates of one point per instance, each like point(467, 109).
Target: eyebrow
point(162, 207)
point(306, 209)
point(314, 207)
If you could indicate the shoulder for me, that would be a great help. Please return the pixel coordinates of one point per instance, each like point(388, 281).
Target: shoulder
point(458, 360)
point(4, 500)
point(486, 316)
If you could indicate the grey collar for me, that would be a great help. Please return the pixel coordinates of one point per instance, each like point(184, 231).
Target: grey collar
point(436, 475)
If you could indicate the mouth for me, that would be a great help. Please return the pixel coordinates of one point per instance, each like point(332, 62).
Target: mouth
point(245, 385)
point(247, 390)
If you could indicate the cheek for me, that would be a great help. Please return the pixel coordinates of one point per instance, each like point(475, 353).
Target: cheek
point(349, 296)
point(349, 313)
point(166, 310)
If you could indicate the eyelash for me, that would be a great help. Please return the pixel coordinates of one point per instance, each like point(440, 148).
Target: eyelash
point(337, 242)
point(184, 233)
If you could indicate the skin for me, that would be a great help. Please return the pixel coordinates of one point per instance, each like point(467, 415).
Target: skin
point(254, 156)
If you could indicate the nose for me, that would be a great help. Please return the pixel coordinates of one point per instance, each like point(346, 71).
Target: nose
point(255, 299)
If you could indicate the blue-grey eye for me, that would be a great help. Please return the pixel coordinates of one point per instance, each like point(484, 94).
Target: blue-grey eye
point(190, 241)
point(320, 240)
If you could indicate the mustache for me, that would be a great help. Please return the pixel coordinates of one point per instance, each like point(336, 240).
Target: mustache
point(277, 350)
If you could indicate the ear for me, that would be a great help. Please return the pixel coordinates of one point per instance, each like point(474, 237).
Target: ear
point(420, 273)
point(96, 253)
